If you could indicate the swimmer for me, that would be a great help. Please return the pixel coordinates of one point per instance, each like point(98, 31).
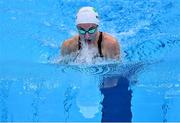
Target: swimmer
point(87, 24)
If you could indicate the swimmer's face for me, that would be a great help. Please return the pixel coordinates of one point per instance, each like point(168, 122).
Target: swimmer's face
point(87, 32)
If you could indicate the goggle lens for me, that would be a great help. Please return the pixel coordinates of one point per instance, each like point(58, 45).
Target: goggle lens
point(90, 31)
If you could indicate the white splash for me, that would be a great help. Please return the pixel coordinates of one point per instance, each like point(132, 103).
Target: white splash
point(87, 54)
point(134, 30)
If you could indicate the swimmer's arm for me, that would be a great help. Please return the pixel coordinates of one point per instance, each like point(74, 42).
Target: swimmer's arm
point(69, 46)
point(65, 53)
point(114, 50)
point(64, 49)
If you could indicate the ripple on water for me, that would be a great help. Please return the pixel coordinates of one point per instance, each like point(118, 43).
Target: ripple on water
point(111, 68)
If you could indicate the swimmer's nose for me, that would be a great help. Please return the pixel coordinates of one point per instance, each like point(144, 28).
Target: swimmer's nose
point(87, 36)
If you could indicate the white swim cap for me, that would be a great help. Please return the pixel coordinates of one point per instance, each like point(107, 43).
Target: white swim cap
point(87, 15)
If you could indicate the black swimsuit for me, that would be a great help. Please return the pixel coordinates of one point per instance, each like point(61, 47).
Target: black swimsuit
point(99, 45)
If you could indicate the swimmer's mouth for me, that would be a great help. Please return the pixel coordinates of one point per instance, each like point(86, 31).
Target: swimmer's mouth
point(88, 41)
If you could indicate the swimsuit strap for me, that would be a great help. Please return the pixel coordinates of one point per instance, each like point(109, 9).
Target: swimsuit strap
point(99, 45)
point(79, 44)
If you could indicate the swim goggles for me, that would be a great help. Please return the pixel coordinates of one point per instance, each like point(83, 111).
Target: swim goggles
point(91, 30)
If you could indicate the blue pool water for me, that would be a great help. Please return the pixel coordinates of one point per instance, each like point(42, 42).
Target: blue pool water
point(145, 86)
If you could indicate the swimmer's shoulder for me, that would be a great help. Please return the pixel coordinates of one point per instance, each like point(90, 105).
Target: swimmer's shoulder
point(71, 41)
point(70, 45)
point(109, 39)
point(110, 45)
